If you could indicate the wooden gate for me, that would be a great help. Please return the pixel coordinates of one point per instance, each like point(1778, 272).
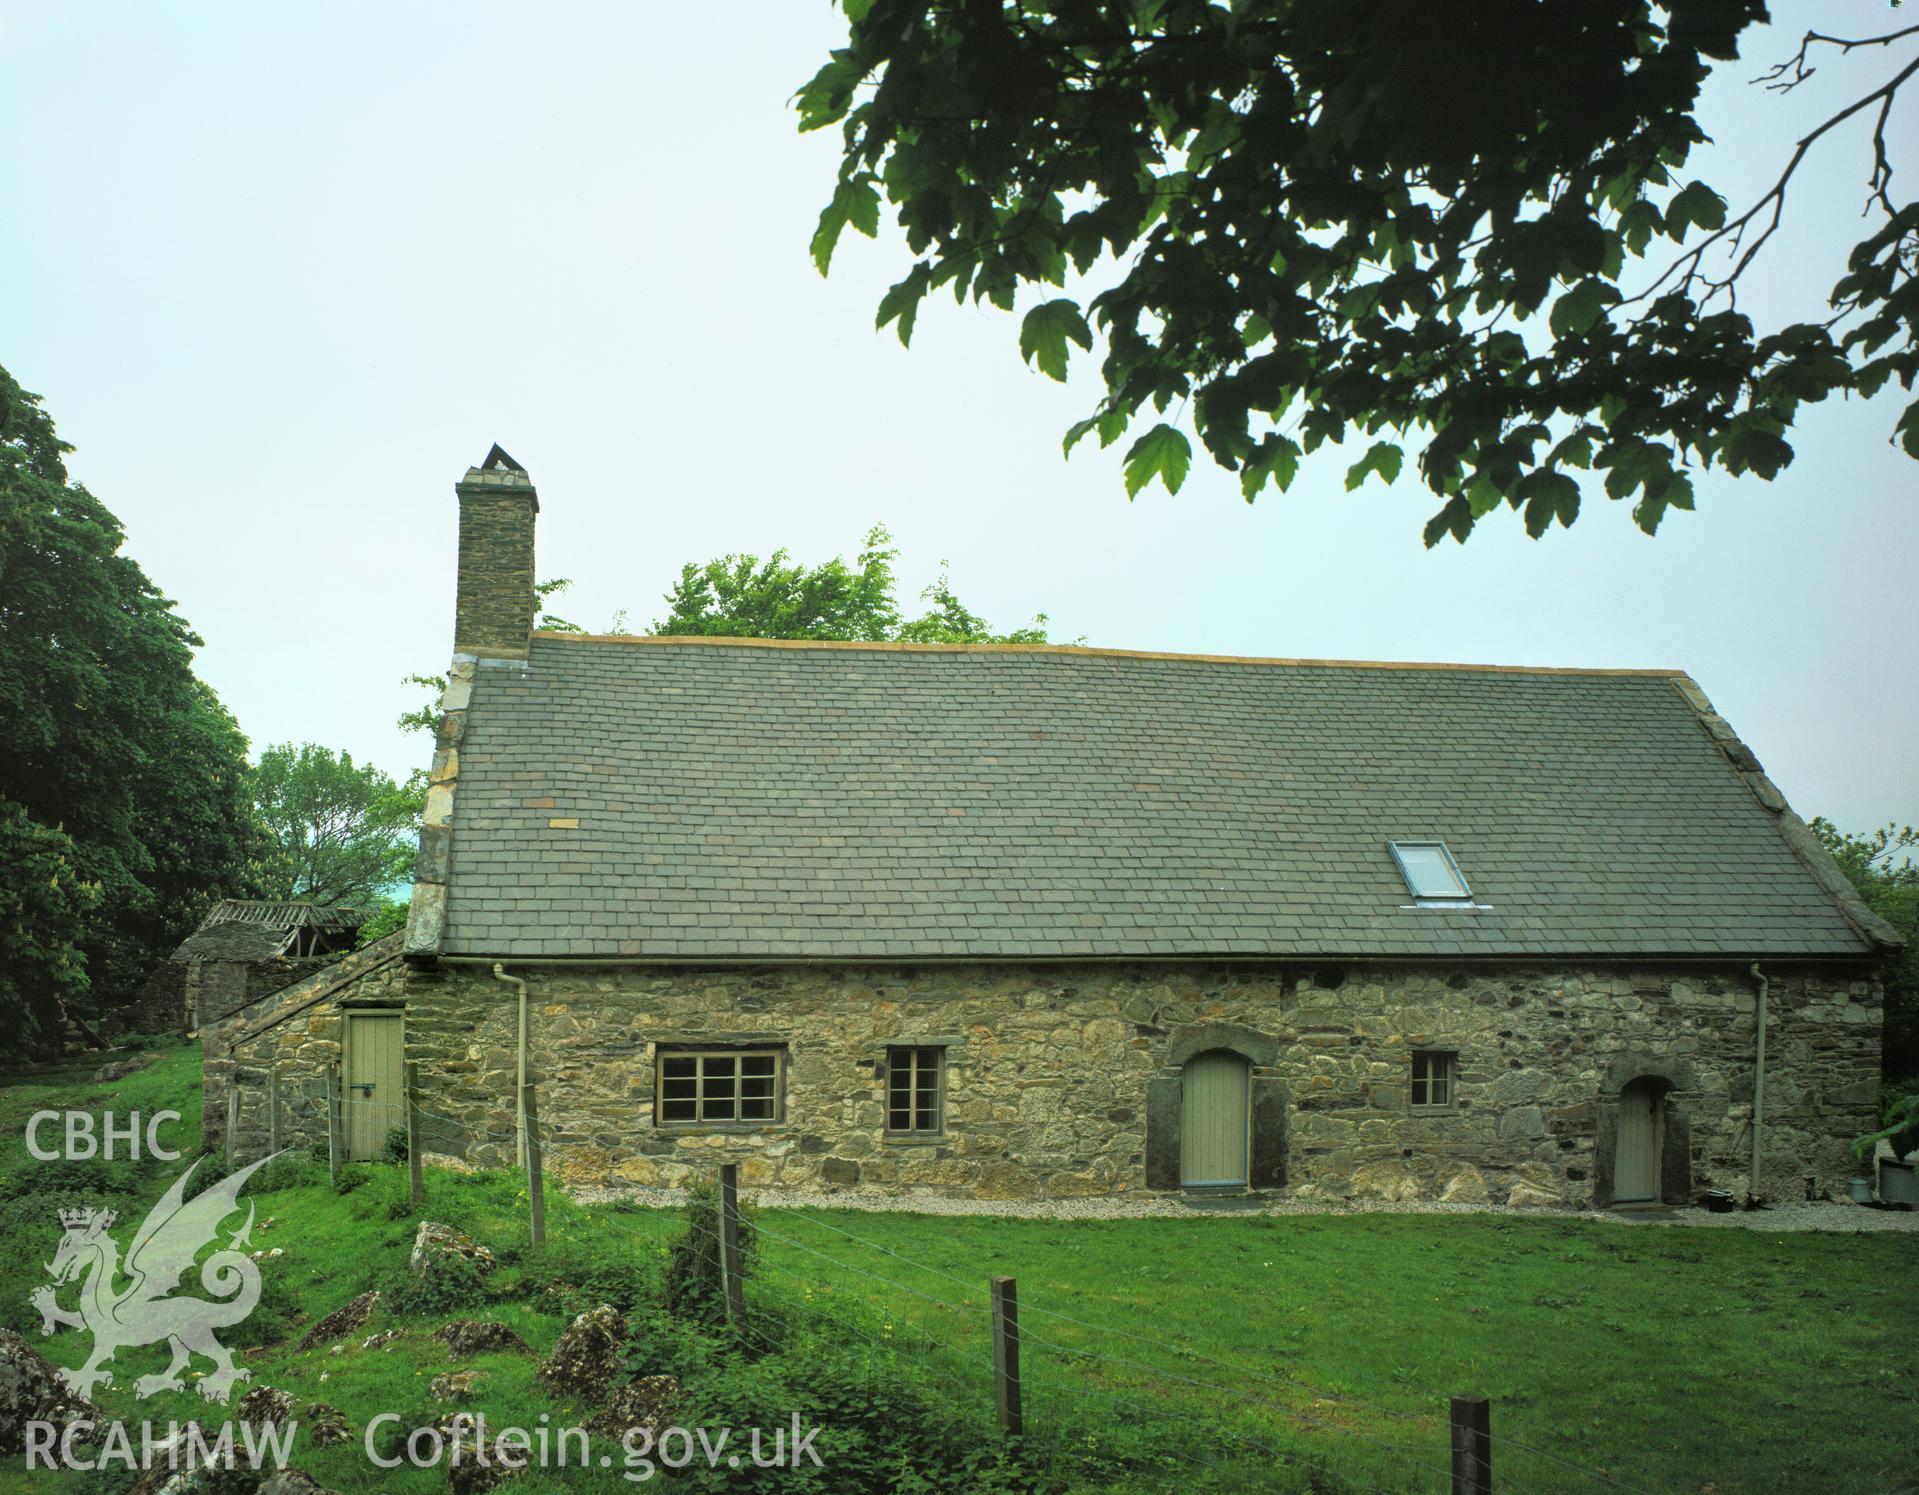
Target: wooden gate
point(1214, 1123)
point(375, 1091)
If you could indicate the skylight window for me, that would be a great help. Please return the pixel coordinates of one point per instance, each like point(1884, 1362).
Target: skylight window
point(1431, 873)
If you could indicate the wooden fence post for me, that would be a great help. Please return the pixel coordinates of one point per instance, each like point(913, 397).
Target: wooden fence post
point(413, 1134)
point(1012, 1416)
point(334, 1141)
point(273, 1111)
point(233, 1118)
point(1472, 1446)
point(535, 1182)
point(731, 1267)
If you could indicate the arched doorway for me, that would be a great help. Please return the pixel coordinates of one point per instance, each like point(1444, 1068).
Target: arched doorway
point(1642, 1142)
point(1642, 1128)
point(1215, 1122)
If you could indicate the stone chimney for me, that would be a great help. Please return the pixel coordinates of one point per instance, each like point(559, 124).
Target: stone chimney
point(493, 617)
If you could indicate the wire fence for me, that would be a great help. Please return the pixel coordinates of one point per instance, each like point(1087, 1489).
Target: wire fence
point(1146, 1395)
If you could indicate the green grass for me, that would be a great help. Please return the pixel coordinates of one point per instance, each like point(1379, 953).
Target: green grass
point(1233, 1353)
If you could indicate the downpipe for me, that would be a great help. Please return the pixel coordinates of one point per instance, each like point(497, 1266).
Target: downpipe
point(1758, 1084)
point(519, 1089)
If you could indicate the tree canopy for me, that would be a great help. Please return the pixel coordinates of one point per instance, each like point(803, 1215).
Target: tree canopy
point(742, 596)
point(123, 804)
point(1460, 226)
point(336, 831)
point(1880, 865)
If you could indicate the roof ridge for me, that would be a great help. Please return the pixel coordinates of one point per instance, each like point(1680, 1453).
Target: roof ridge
point(1086, 651)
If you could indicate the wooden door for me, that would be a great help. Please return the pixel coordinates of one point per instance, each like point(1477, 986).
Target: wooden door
point(1213, 1121)
point(1636, 1160)
point(375, 1089)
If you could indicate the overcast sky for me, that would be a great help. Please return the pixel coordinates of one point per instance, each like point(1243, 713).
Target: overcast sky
point(283, 274)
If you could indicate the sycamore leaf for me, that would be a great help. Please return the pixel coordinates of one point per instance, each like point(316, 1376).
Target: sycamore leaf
point(857, 202)
point(1456, 519)
point(1548, 496)
point(902, 302)
point(1162, 452)
point(1045, 332)
point(1382, 457)
point(1696, 204)
point(1277, 459)
point(1576, 310)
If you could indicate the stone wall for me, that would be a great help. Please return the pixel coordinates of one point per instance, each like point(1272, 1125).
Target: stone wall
point(294, 1030)
point(1064, 1080)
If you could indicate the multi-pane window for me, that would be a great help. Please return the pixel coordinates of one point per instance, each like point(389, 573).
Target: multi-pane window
point(913, 1089)
point(1433, 1079)
point(724, 1085)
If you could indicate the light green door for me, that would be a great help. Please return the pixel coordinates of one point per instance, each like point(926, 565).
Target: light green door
point(1213, 1121)
point(375, 1093)
point(1636, 1161)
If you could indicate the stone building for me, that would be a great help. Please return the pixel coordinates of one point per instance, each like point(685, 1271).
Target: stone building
point(1015, 922)
point(242, 950)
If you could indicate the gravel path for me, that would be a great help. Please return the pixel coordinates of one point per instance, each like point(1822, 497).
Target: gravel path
point(1820, 1216)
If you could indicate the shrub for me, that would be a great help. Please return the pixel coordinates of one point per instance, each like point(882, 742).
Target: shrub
point(695, 1287)
point(449, 1284)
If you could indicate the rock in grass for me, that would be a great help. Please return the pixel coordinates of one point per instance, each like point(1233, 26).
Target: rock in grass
point(31, 1391)
point(456, 1385)
point(293, 1482)
point(645, 1403)
point(265, 1404)
point(471, 1465)
point(343, 1321)
point(326, 1424)
point(433, 1241)
point(119, 1069)
point(587, 1359)
point(467, 1337)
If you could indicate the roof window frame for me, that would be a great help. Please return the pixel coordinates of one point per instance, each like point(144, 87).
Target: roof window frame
point(1461, 899)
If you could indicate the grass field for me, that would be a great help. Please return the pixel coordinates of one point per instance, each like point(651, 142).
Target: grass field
point(1228, 1353)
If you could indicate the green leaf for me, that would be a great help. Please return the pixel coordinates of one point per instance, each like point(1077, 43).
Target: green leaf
point(1696, 204)
point(902, 302)
point(1047, 329)
point(1576, 310)
point(1548, 496)
point(1383, 457)
point(855, 201)
point(1162, 452)
point(1277, 459)
point(1456, 519)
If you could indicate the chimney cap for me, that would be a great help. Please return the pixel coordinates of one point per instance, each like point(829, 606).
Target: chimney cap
point(497, 460)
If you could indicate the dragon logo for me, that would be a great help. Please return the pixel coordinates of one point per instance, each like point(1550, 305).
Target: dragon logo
point(147, 1310)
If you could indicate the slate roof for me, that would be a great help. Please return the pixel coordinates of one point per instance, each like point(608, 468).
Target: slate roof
point(691, 800)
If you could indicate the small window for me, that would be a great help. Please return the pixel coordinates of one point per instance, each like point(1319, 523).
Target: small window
point(1433, 1080)
point(1430, 871)
point(732, 1085)
point(913, 1089)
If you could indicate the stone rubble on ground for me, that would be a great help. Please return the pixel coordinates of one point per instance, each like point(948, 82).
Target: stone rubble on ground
point(456, 1385)
point(645, 1404)
point(265, 1404)
point(434, 1240)
point(468, 1337)
point(342, 1321)
point(293, 1482)
point(587, 1359)
point(325, 1424)
point(31, 1391)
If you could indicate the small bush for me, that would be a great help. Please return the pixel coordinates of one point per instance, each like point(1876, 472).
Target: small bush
point(450, 1284)
point(695, 1288)
point(395, 1151)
